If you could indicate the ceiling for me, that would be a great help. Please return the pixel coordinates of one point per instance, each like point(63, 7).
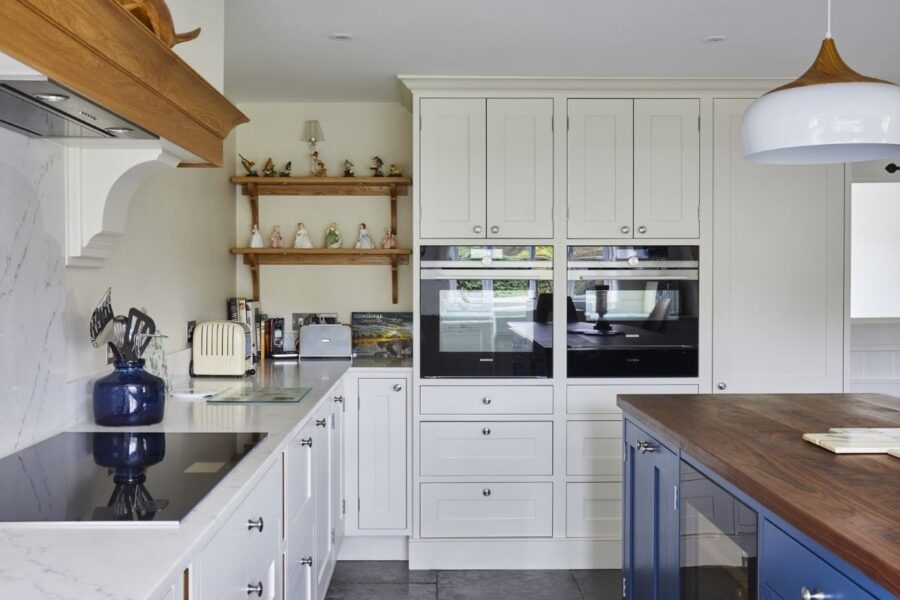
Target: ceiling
point(279, 50)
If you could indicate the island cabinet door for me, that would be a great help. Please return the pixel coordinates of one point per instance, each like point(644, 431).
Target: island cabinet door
point(650, 560)
point(778, 269)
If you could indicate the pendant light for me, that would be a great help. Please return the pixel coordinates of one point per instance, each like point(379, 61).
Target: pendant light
point(831, 114)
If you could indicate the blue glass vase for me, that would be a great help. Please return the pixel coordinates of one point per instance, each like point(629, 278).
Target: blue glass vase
point(129, 396)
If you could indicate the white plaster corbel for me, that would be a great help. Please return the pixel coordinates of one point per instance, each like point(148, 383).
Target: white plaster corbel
point(100, 183)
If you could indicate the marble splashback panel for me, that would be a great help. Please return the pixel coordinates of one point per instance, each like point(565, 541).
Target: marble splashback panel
point(33, 399)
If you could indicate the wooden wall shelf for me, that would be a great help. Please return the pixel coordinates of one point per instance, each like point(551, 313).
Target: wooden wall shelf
point(254, 187)
point(97, 49)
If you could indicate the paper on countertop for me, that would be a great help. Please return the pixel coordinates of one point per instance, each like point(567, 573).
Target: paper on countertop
point(857, 440)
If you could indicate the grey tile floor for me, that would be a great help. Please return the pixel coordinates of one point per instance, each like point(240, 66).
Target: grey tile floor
point(392, 580)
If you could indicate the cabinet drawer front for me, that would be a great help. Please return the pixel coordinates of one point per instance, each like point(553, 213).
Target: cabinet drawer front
point(487, 509)
point(788, 566)
point(299, 499)
point(601, 399)
point(235, 541)
point(486, 400)
point(594, 510)
point(260, 569)
point(487, 448)
point(594, 448)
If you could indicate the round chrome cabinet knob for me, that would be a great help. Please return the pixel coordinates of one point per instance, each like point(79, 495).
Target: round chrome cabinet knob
point(486, 400)
point(487, 261)
point(486, 431)
point(633, 261)
point(722, 386)
point(398, 387)
point(478, 229)
point(642, 229)
point(495, 229)
point(625, 229)
point(486, 492)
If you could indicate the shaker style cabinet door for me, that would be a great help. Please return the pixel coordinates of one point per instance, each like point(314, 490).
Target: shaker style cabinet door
point(382, 454)
point(778, 269)
point(520, 168)
point(600, 175)
point(452, 168)
point(324, 536)
point(650, 563)
point(666, 168)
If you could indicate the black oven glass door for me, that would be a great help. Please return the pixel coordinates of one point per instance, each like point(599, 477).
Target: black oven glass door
point(493, 323)
point(636, 319)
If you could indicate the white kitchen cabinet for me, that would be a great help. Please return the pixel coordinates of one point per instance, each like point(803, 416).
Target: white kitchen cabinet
point(382, 476)
point(485, 510)
point(778, 269)
point(600, 178)
point(300, 513)
point(594, 510)
point(471, 448)
point(486, 400)
point(452, 173)
point(323, 555)
point(666, 168)
point(520, 168)
point(594, 448)
point(338, 497)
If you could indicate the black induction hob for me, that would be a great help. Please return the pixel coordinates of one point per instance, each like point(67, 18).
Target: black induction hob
point(128, 476)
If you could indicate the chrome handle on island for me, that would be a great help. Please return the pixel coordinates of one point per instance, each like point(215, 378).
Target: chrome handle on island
point(645, 447)
point(254, 588)
point(805, 594)
point(255, 524)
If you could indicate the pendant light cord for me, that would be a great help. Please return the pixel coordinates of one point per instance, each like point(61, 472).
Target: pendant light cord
point(828, 33)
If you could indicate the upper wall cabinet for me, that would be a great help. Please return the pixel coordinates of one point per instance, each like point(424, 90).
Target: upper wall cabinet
point(634, 168)
point(601, 168)
point(778, 269)
point(486, 168)
point(452, 175)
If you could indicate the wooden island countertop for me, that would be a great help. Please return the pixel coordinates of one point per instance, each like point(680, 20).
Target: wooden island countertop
point(850, 504)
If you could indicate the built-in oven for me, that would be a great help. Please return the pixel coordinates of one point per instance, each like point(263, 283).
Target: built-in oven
point(633, 311)
point(485, 311)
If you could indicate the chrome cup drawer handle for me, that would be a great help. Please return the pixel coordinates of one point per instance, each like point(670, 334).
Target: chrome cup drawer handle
point(306, 561)
point(254, 588)
point(485, 400)
point(255, 524)
point(486, 431)
point(805, 594)
point(486, 492)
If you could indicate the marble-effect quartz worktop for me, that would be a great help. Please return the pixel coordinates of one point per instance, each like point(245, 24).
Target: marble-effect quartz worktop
point(123, 561)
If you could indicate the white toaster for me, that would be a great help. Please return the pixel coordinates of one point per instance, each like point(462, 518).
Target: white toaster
point(223, 349)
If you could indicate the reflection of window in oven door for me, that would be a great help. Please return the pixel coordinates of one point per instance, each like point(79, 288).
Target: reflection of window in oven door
point(476, 320)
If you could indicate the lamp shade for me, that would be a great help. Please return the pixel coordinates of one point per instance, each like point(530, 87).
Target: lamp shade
point(824, 123)
point(312, 132)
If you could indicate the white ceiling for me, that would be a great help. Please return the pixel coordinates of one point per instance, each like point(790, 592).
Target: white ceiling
point(279, 51)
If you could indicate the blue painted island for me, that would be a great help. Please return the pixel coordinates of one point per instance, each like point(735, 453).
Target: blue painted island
point(724, 500)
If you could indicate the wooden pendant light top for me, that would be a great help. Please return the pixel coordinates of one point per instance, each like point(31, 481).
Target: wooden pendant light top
point(828, 68)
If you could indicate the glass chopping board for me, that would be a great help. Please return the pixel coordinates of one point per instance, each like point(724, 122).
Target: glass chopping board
point(262, 395)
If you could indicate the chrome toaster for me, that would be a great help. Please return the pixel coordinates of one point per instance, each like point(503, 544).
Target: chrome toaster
point(326, 341)
point(222, 349)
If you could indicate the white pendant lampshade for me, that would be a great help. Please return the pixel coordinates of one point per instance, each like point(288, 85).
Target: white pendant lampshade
point(831, 114)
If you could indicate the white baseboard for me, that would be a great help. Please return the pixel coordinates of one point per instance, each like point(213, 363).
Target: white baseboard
point(515, 554)
point(374, 548)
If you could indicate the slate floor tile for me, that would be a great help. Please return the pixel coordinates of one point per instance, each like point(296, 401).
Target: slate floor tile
point(507, 585)
point(380, 571)
point(603, 584)
point(382, 591)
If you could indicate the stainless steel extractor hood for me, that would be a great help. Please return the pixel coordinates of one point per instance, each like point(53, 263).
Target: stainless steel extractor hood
point(48, 110)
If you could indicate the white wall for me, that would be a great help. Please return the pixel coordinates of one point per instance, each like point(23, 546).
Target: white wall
point(206, 54)
point(357, 131)
point(874, 251)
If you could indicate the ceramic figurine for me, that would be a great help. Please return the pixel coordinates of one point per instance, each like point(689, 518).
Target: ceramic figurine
point(377, 167)
point(269, 168)
point(302, 239)
point(286, 171)
point(396, 170)
point(364, 241)
point(318, 166)
point(277, 238)
point(333, 237)
point(248, 166)
point(390, 240)
point(256, 240)
point(348, 168)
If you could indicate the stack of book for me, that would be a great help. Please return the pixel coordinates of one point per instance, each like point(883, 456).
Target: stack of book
point(266, 335)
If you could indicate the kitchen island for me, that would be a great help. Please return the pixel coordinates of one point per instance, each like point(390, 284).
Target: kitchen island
point(803, 522)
